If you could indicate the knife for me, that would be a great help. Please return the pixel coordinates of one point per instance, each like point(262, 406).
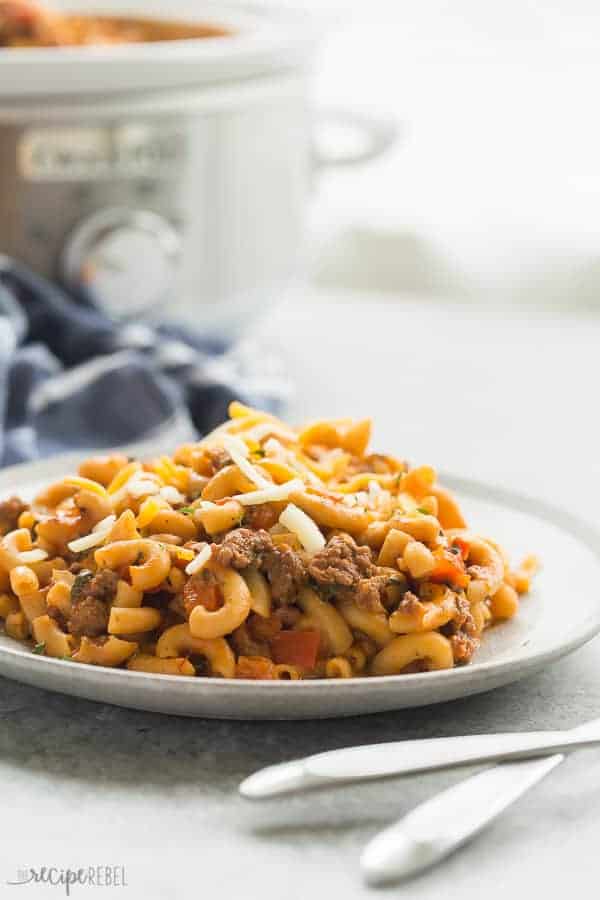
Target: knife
point(406, 757)
point(442, 824)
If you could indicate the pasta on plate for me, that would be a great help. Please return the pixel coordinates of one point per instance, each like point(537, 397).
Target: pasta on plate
point(261, 552)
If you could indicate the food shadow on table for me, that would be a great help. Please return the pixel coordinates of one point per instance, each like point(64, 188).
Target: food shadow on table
point(65, 738)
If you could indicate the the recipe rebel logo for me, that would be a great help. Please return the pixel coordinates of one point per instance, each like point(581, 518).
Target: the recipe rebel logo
point(100, 876)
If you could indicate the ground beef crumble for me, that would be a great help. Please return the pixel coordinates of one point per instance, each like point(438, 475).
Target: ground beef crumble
point(90, 596)
point(343, 567)
point(410, 603)
point(462, 631)
point(288, 616)
point(10, 510)
point(370, 593)
point(246, 644)
point(283, 567)
point(57, 614)
point(177, 607)
point(242, 547)
point(464, 620)
point(341, 563)
point(463, 647)
point(285, 572)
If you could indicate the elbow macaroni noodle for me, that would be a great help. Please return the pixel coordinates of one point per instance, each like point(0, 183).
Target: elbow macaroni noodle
point(187, 566)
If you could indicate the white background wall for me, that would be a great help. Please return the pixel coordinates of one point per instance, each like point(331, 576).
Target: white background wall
point(494, 188)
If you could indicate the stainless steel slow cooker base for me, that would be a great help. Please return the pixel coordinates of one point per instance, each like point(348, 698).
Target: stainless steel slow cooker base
point(188, 200)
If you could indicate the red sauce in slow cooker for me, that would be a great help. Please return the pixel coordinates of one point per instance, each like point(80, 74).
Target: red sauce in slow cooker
point(25, 24)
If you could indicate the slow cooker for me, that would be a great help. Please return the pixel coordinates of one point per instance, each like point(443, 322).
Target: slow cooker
point(163, 176)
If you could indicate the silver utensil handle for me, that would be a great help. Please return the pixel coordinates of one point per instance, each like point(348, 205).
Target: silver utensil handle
point(440, 825)
point(405, 757)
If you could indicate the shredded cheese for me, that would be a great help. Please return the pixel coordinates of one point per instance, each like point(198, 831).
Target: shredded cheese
point(105, 524)
point(139, 484)
point(32, 556)
point(378, 498)
point(271, 494)
point(374, 488)
point(199, 561)
point(171, 494)
point(93, 539)
point(210, 439)
point(274, 448)
point(235, 444)
point(251, 472)
point(141, 487)
point(307, 532)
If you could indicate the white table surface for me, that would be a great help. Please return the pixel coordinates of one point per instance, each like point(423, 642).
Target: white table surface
point(500, 396)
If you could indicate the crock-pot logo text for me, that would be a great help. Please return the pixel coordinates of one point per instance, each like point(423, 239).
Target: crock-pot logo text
point(92, 153)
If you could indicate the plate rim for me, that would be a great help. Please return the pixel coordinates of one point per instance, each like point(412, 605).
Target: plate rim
point(576, 526)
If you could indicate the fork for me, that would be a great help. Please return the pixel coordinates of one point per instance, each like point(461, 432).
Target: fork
point(442, 824)
point(405, 757)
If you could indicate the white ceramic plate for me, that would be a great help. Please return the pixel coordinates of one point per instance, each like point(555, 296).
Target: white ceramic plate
point(561, 614)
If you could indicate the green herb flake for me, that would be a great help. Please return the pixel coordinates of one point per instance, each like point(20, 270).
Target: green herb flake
point(187, 510)
point(40, 649)
point(424, 512)
point(260, 453)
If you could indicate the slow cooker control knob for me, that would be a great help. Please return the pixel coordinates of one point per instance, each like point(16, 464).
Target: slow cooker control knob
point(125, 259)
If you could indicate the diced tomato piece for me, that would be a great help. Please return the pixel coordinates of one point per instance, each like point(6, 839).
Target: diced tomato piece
point(296, 648)
point(449, 569)
point(257, 667)
point(462, 545)
point(202, 593)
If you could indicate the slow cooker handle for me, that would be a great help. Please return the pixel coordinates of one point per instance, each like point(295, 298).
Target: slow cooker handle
point(346, 138)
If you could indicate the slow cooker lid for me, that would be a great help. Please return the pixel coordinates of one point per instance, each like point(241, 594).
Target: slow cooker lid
point(263, 40)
